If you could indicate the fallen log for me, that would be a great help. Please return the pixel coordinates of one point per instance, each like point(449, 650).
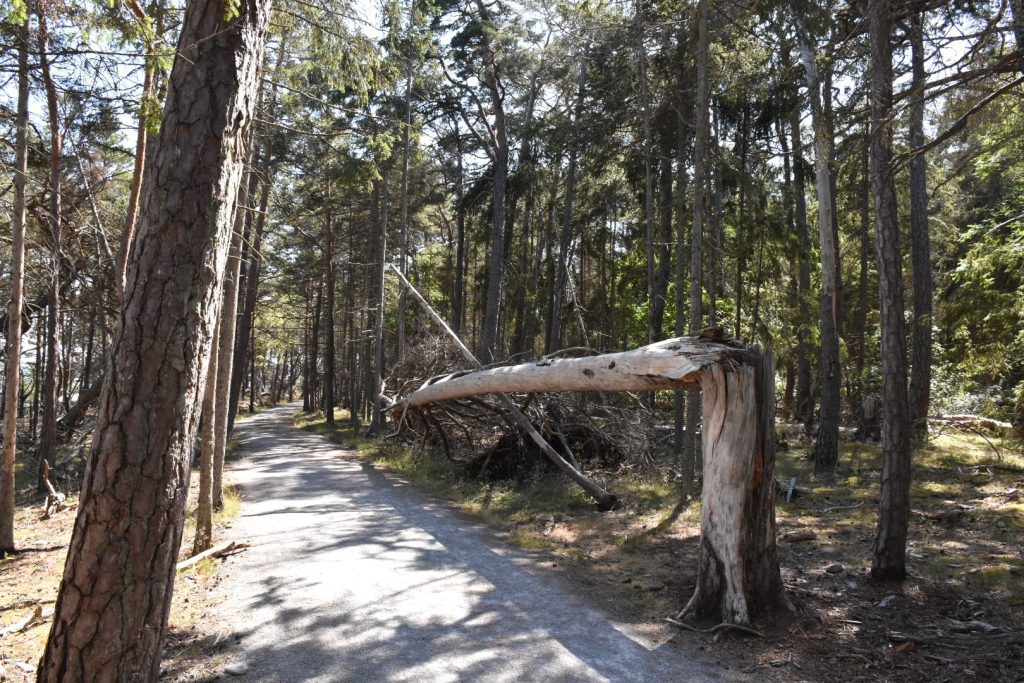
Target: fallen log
point(605, 499)
point(974, 421)
point(671, 364)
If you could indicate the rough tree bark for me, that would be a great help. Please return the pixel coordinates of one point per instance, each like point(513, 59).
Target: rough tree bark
point(920, 244)
point(737, 566)
point(48, 428)
point(491, 79)
point(111, 612)
point(894, 504)
point(738, 572)
point(702, 132)
point(330, 280)
point(10, 443)
point(804, 400)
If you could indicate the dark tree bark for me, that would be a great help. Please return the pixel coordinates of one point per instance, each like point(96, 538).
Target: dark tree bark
point(329, 281)
point(48, 429)
point(804, 400)
point(861, 321)
point(702, 104)
point(459, 295)
point(558, 314)
point(243, 330)
point(889, 560)
point(111, 612)
point(920, 244)
point(13, 379)
point(741, 222)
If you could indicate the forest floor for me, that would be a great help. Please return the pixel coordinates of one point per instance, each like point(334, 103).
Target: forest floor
point(30, 580)
point(966, 557)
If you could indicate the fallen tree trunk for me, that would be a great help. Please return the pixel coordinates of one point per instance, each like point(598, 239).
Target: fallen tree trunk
point(738, 571)
point(671, 364)
point(605, 499)
point(973, 421)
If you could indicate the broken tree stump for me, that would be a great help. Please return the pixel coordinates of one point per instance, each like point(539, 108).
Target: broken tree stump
point(738, 571)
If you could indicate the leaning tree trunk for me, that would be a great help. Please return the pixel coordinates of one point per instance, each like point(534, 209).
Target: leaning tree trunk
point(738, 572)
point(111, 612)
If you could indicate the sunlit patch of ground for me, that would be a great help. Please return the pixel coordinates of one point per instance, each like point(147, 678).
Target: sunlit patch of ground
point(964, 553)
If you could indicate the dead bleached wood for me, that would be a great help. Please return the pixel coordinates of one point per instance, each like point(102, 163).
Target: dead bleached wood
point(605, 499)
point(737, 564)
point(976, 421)
point(671, 364)
point(221, 550)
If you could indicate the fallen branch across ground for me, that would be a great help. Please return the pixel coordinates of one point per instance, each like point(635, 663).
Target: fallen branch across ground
point(715, 629)
point(221, 550)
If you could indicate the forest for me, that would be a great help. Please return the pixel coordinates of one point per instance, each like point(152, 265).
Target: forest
point(712, 271)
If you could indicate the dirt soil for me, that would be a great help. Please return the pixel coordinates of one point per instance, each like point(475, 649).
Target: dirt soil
point(196, 636)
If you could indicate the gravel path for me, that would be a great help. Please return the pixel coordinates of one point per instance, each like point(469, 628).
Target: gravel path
point(356, 576)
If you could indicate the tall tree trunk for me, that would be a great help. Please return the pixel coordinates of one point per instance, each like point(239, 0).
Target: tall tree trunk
point(741, 222)
point(375, 360)
point(715, 238)
point(861, 322)
point(684, 464)
point(329, 281)
point(920, 244)
point(826, 449)
point(702, 132)
point(804, 400)
point(496, 266)
point(459, 295)
point(111, 612)
point(645, 114)
point(246, 320)
point(147, 103)
point(889, 560)
point(226, 344)
point(662, 250)
point(207, 439)
point(565, 241)
point(403, 256)
point(14, 310)
point(48, 432)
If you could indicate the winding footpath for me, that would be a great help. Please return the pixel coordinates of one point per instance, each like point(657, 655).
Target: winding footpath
point(354, 575)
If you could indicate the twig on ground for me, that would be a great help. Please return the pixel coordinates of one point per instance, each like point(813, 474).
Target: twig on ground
point(716, 629)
